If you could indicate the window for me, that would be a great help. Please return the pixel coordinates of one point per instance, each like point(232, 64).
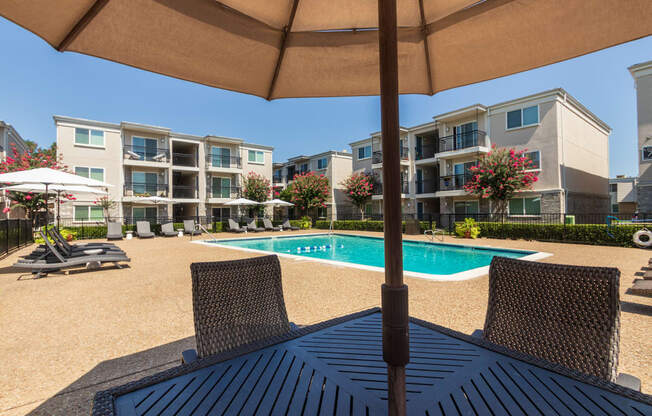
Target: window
point(364, 152)
point(303, 168)
point(221, 157)
point(525, 206)
point(146, 148)
point(613, 187)
point(221, 213)
point(144, 183)
point(89, 137)
point(88, 213)
point(523, 117)
point(322, 163)
point(256, 156)
point(614, 208)
point(149, 213)
point(647, 152)
point(92, 173)
point(221, 187)
point(466, 207)
point(535, 157)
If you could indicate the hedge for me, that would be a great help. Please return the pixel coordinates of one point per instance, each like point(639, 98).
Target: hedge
point(99, 231)
point(571, 233)
point(361, 225)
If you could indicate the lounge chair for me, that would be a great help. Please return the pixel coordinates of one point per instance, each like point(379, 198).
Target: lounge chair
point(67, 249)
point(251, 226)
point(269, 226)
point(189, 227)
point(114, 231)
point(235, 303)
point(167, 230)
point(568, 315)
point(288, 226)
point(234, 227)
point(143, 230)
point(55, 260)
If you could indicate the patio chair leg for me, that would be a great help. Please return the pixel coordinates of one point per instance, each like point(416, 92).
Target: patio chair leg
point(117, 265)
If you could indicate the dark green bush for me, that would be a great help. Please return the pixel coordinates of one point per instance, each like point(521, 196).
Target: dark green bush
point(366, 225)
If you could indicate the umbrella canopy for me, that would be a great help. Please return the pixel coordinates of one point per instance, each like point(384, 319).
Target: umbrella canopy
point(48, 176)
point(311, 48)
point(55, 189)
point(241, 201)
point(278, 202)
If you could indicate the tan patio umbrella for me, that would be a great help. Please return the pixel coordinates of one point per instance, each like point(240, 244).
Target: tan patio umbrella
point(316, 48)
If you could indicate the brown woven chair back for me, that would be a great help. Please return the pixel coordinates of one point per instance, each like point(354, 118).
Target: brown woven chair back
point(569, 315)
point(237, 302)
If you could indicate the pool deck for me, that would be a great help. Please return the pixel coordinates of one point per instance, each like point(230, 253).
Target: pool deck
point(67, 336)
point(452, 277)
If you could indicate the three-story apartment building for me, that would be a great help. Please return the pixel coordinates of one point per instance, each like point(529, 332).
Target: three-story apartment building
point(8, 137)
point(196, 174)
point(642, 74)
point(622, 191)
point(566, 142)
point(334, 165)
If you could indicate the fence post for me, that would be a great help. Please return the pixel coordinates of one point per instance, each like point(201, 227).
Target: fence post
point(20, 224)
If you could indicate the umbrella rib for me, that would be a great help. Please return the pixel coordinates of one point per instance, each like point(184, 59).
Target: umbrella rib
point(281, 54)
point(425, 31)
point(81, 24)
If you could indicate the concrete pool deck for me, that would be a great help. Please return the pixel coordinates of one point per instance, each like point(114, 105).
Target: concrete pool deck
point(67, 336)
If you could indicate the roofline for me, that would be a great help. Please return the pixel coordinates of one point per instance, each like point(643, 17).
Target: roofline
point(641, 69)
point(257, 146)
point(361, 141)
point(326, 153)
point(21, 141)
point(476, 106)
point(400, 128)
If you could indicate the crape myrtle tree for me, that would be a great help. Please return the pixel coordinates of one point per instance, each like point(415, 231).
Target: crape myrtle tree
point(358, 188)
point(256, 188)
point(499, 175)
point(309, 191)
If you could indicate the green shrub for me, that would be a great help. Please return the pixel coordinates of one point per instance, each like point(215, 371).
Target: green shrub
point(572, 233)
point(467, 229)
point(305, 222)
point(68, 235)
point(362, 225)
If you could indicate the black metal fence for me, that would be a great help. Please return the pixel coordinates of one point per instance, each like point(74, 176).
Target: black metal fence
point(15, 234)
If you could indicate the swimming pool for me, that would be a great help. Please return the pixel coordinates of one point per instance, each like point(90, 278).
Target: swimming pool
point(437, 261)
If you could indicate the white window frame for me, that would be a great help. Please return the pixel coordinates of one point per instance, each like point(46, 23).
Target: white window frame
point(89, 171)
point(90, 130)
point(220, 177)
point(524, 214)
point(88, 209)
point(364, 147)
point(255, 162)
point(643, 159)
point(324, 159)
point(540, 168)
point(523, 126)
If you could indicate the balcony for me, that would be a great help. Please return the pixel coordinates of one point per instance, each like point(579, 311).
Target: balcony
point(145, 189)
point(184, 192)
point(220, 161)
point(225, 192)
point(426, 151)
point(146, 154)
point(377, 156)
point(428, 186)
point(277, 179)
point(184, 159)
point(378, 188)
point(464, 140)
point(453, 182)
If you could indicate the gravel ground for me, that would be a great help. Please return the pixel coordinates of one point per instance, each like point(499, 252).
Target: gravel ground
point(67, 336)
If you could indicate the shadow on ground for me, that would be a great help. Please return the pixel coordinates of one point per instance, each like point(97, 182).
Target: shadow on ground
point(76, 398)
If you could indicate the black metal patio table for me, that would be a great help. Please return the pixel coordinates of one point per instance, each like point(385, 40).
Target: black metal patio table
point(336, 368)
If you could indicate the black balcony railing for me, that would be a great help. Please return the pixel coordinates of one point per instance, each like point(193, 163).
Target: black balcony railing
point(277, 178)
point(221, 161)
point(377, 156)
point(184, 159)
point(230, 192)
point(184, 191)
point(147, 154)
point(378, 188)
point(463, 140)
point(453, 182)
point(145, 189)
point(425, 151)
point(426, 186)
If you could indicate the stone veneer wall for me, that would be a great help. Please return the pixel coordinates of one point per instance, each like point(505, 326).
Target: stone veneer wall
point(551, 203)
point(644, 195)
point(587, 203)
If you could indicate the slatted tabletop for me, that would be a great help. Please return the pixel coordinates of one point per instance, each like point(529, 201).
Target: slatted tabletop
point(339, 370)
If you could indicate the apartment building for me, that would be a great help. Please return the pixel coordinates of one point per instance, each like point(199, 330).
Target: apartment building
point(623, 194)
point(197, 174)
point(334, 165)
point(642, 74)
point(566, 142)
point(9, 136)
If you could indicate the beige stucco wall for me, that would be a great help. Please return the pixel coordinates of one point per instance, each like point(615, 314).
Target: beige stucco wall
point(644, 122)
point(360, 165)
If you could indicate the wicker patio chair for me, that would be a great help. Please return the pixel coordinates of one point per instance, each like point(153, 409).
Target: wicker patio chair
point(235, 303)
point(569, 315)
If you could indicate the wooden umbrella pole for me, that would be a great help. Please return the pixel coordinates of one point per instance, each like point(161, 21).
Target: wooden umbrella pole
point(394, 292)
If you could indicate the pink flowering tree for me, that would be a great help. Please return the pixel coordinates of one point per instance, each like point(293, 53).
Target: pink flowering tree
point(107, 204)
point(309, 191)
point(256, 188)
point(358, 188)
point(499, 175)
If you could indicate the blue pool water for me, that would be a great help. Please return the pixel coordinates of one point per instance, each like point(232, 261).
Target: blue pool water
point(420, 257)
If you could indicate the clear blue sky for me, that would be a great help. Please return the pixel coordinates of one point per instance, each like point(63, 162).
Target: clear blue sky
point(37, 82)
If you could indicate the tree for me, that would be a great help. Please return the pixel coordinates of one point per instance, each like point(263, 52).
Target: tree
point(256, 188)
point(309, 191)
point(358, 188)
point(285, 194)
point(107, 205)
point(499, 175)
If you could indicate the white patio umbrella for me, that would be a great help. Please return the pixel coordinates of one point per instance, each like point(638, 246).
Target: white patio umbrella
point(278, 203)
point(156, 200)
point(241, 202)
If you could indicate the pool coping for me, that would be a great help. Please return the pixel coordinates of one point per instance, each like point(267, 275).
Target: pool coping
point(454, 277)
